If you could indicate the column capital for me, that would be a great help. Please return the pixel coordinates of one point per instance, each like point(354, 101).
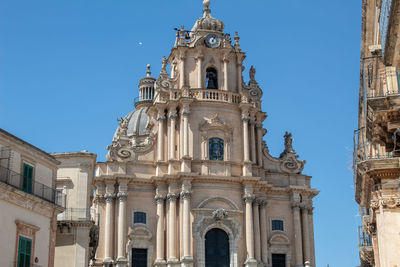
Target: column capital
point(122, 196)
point(296, 205)
point(186, 112)
point(256, 201)
point(186, 194)
point(160, 198)
point(161, 117)
point(109, 197)
point(248, 198)
point(262, 202)
point(259, 125)
point(172, 115)
point(172, 196)
point(245, 117)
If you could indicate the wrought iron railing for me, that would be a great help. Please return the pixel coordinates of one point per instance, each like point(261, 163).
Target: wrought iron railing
point(369, 151)
point(40, 190)
point(385, 82)
point(364, 240)
point(75, 214)
point(384, 21)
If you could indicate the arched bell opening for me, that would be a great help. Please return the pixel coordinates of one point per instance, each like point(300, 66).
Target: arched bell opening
point(211, 78)
point(217, 248)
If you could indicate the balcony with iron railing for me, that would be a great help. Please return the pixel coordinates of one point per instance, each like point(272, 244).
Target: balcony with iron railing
point(77, 214)
point(370, 159)
point(40, 190)
point(384, 83)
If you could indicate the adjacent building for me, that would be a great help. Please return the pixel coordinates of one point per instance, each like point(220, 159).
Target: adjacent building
point(377, 139)
point(188, 179)
point(76, 229)
point(29, 204)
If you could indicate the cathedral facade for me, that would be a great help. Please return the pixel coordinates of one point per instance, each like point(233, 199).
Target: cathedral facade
point(188, 179)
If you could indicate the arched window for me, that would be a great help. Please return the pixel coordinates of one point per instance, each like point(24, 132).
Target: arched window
point(216, 149)
point(212, 78)
point(217, 248)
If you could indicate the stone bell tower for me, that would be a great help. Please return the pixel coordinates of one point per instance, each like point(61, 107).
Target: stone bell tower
point(188, 175)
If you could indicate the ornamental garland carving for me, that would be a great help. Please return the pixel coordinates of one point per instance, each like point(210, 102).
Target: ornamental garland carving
point(389, 201)
point(215, 123)
point(219, 214)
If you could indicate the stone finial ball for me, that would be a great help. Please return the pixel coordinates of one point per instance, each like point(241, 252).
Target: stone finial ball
point(206, 3)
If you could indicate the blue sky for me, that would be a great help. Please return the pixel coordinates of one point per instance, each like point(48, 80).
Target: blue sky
point(69, 69)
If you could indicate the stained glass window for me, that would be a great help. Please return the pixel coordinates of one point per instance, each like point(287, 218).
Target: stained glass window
point(216, 149)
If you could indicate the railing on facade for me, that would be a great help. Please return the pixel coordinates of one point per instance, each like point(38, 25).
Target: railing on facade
point(138, 99)
point(385, 82)
point(215, 95)
point(364, 240)
point(40, 190)
point(75, 214)
point(384, 21)
point(369, 151)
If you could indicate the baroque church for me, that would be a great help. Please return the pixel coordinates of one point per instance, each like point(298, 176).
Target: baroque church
point(188, 179)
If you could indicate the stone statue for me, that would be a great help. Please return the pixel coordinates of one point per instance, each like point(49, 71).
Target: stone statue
point(212, 79)
point(164, 65)
point(288, 142)
point(252, 73)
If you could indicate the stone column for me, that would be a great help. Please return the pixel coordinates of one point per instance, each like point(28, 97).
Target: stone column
point(172, 117)
point(160, 257)
point(311, 230)
point(250, 261)
point(160, 141)
point(257, 238)
point(186, 157)
point(122, 196)
point(306, 233)
point(182, 70)
point(264, 231)
point(297, 234)
point(199, 59)
point(253, 140)
point(225, 62)
point(185, 114)
point(186, 195)
point(245, 119)
point(239, 72)
point(108, 237)
point(172, 228)
point(259, 144)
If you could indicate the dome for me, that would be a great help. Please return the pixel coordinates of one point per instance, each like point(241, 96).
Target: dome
point(138, 122)
point(207, 22)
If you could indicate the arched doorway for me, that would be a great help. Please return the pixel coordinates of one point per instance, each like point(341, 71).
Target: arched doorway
point(217, 248)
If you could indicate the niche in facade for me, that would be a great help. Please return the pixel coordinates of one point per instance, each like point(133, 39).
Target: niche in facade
point(211, 78)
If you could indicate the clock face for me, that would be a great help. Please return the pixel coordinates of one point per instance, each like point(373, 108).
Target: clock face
point(213, 40)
